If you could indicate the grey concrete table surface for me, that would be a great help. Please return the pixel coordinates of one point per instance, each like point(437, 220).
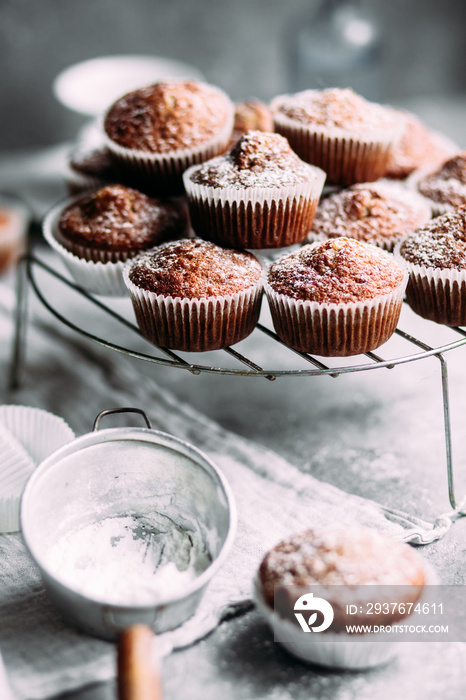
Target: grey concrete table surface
point(378, 434)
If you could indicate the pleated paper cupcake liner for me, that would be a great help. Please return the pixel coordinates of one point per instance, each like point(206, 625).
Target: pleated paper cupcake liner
point(195, 325)
point(13, 234)
point(437, 295)
point(98, 275)
point(254, 218)
point(336, 330)
point(27, 436)
point(346, 159)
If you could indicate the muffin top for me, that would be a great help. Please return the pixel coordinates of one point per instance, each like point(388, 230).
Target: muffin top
point(251, 115)
point(418, 147)
point(440, 244)
point(376, 212)
point(339, 270)
point(350, 556)
point(446, 184)
point(334, 109)
point(195, 269)
point(169, 116)
point(258, 159)
point(95, 162)
point(119, 218)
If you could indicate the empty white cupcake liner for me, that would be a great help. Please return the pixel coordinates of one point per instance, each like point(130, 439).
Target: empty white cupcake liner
point(27, 436)
point(194, 325)
point(347, 158)
point(100, 277)
point(336, 330)
point(254, 217)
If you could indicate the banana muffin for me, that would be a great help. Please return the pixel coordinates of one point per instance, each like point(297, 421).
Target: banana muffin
point(435, 256)
point(195, 296)
point(379, 212)
point(336, 298)
point(258, 195)
point(445, 187)
point(339, 131)
point(160, 130)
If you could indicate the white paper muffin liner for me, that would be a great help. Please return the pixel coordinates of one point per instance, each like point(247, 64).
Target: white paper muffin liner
point(437, 295)
point(99, 276)
point(336, 330)
point(27, 436)
point(254, 217)
point(335, 650)
point(195, 325)
point(346, 158)
point(165, 170)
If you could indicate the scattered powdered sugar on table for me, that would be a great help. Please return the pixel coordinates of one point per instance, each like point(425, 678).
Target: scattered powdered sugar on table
point(130, 559)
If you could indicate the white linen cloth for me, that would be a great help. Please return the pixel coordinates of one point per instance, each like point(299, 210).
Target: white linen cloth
point(75, 379)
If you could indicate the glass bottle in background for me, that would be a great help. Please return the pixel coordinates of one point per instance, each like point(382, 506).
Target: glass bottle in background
point(339, 44)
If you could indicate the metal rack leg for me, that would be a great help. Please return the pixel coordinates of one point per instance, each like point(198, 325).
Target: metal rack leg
point(447, 425)
point(19, 340)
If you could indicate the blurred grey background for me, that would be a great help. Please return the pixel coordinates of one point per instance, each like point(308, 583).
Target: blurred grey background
point(245, 46)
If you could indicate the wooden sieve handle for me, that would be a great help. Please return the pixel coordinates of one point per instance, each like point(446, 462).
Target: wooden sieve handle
point(139, 676)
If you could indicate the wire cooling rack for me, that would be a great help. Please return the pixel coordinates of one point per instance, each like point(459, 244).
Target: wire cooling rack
point(230, 361)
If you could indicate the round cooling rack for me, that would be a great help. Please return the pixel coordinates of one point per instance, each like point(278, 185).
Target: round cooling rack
point(248, 367)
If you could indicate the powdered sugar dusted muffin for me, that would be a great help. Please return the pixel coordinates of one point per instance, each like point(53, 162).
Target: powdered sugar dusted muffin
point(342, 556)
point(339, 131)
point(258, 195)
point(336, 298)
point(96, 232)
point(418, 148)
point(445, 187)
point(160, 130)
point(251, 115)
point(193, 295)
point(380, 212)
point(435, 256)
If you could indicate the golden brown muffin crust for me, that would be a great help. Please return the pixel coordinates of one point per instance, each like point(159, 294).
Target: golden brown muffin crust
point(371, 212)
point(195, 269)
point(119, 218)
point(339, 270)
point(168, 116)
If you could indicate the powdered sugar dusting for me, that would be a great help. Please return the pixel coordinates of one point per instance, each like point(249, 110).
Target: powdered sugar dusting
point(447, 184)
point(340, 556)
point(334, 108)
point(258, 159)
point(440, 244)
point(371, 212)
point(340, 270)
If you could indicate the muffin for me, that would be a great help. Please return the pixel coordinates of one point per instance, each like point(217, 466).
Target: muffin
point(344, 566)
point(90, 169)
point(339, 131)
point(258, 195)
point(336, 298)
point(251, 115)
point(195, 296)
point(14, 222)
point(418, 148)
point(445, 187)
point(435, 256)
point(98, 231)
point(380, 212)
point(158, 131)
